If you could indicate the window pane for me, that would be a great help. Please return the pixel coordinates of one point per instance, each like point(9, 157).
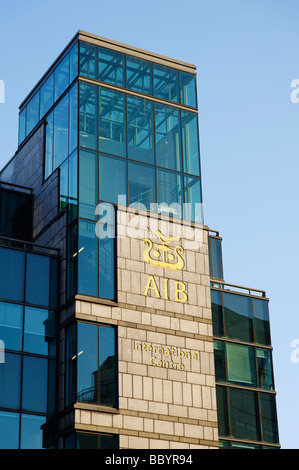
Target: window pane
point(87, 441)
point(265, 373)
point(140, 130)
point(222, 411)
point(64, 184)
point(88, 259)
point(62, 76)
point(261, 321)
point(87, 363)
point(72, 261)
point(73, 186)
point(11, 322)
point(73, 123)
point(39, 331)
point(112, 178)
point(32, 113)
point(107, 366)
point(216, 300)
point(38, 386)
point(193, 201)
point(32, 431)
point(107, 268)
point(10, 381)
point(238, 317)
point(139, 75)
point(109, 442)
point(61, 132)
point(111, 67)
point(142, 187)
point(9, 430)
point(49, 145)
point(74, 62)
point(220, 363)
point(47, 95)
point(38, 279)
point(71, 357)
point(22, 125)
point(269, 418)
point(241, 368)
point(166, 83)
point(244, 414)
point(215, 258)
point(88, 61)
point(168, 137)
point(88, 193)
point(190, 143)
point(112, 122)
point(12, 268)
point(170, 193)
point(188, 89)
point(88, 116)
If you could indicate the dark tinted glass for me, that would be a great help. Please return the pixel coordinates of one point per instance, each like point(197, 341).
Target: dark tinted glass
point(32, 431)
point(39, 331)
point(216, 299)
point(238, 317)
point(107, 268)
point(12, 270)
point(9, 430)
point(22, 125)
point(269, 418)
point(71, 361)
point(241, 368)
point(193, 201)
point(265, 372)
point(87, 441)
point(107, 366)
point(87, 363)
point(88, 259)
point(38, 279)
point(215, 258)
point(222, 410)
point(38, 386)
point(244, 414)
point(10, 383)
point(220, 363)
point(261, 321)
point(11, 325)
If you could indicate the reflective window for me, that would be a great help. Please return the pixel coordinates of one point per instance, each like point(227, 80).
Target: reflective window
point(74, 62)
point(88, 197)
point(111, 67)
point(82, 440)
point(140, 130)
point(32, 113)
point(32, 431)
point(261, 321)
point(238, 317)
point(11, 325)
point(190, 143)
point(142, 185)
point(12, 268)
point(38, 275)
point(222, 410)
point(112, 122)
point(168, 137)
point(9, 430)
point(166, 83)
point(62, 77)
point(49, 145)
point(107, 268)
point(139, 75)
point(39, 331)
point(88, 60)
point(217, 317)
point(241, 369)
point(22, 125)
point(38, 385)
point(10, 381)
point(188, 89)
point(215, 258)
point(220, 361)
point(193, 209)
point(265, 372)
point(112, 178)
point(87, 259)
point(170, 192)
point(244, 414)
point(269, 418)
point(47, 95)
point(73, 119)
point(88, 116)
point(61, 132)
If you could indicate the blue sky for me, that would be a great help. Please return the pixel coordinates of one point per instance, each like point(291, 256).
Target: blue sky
point(247, 55)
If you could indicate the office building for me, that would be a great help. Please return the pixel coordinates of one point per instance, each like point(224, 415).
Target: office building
point(114, 313)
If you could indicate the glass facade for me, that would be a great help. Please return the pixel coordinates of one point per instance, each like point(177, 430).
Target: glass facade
point(246, 403)
point(28, 316)
point(16, 212)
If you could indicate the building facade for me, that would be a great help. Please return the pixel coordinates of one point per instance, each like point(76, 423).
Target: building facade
point(145, 346)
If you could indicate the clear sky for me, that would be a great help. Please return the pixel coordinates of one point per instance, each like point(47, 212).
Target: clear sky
point(247, 55)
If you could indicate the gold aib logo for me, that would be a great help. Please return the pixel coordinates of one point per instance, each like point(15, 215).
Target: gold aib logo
point(165, 255)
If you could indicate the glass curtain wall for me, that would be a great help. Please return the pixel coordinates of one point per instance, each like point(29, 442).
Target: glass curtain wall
point(244, 372)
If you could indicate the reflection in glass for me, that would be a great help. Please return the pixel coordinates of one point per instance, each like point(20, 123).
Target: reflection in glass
point(106, 268)
point(220, 363)
point(112, 122)
point(244, 414)
point(261, 321)
point(170, 193)
point(140, 130)
point(215, 258)
point(265, 373)
point(71, 362)
point(87, 259)
point(111, 67)
point(222, 411)
point(38, 385)
point(216, 301)
point(12, 269)
point(87, 363)
point(241, 369)
point(87, 184)
point(11, 325)
point(238, 317)
point(88, 116)
point(188, 89)
point(9, 430)
point(62, 76)
point(139, 75)
point(39, 331)
point(32, 431)
point(87, 60)
point(166, 83)
point(61, 132)
point(47, 95)
point(10, 381)
point(142, 185)
point(107, 370)
point(269, 418)
point(49, 145)
point(112, 178)
point(22, 125)
point(74, 62)
point(190, 143)
point(168, 137)
point(38, 275)
point(193, 201)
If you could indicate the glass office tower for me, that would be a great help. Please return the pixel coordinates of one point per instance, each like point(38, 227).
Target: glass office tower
point(109, 131)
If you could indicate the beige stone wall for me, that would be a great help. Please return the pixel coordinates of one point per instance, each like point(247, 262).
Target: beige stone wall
point(169, 404)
